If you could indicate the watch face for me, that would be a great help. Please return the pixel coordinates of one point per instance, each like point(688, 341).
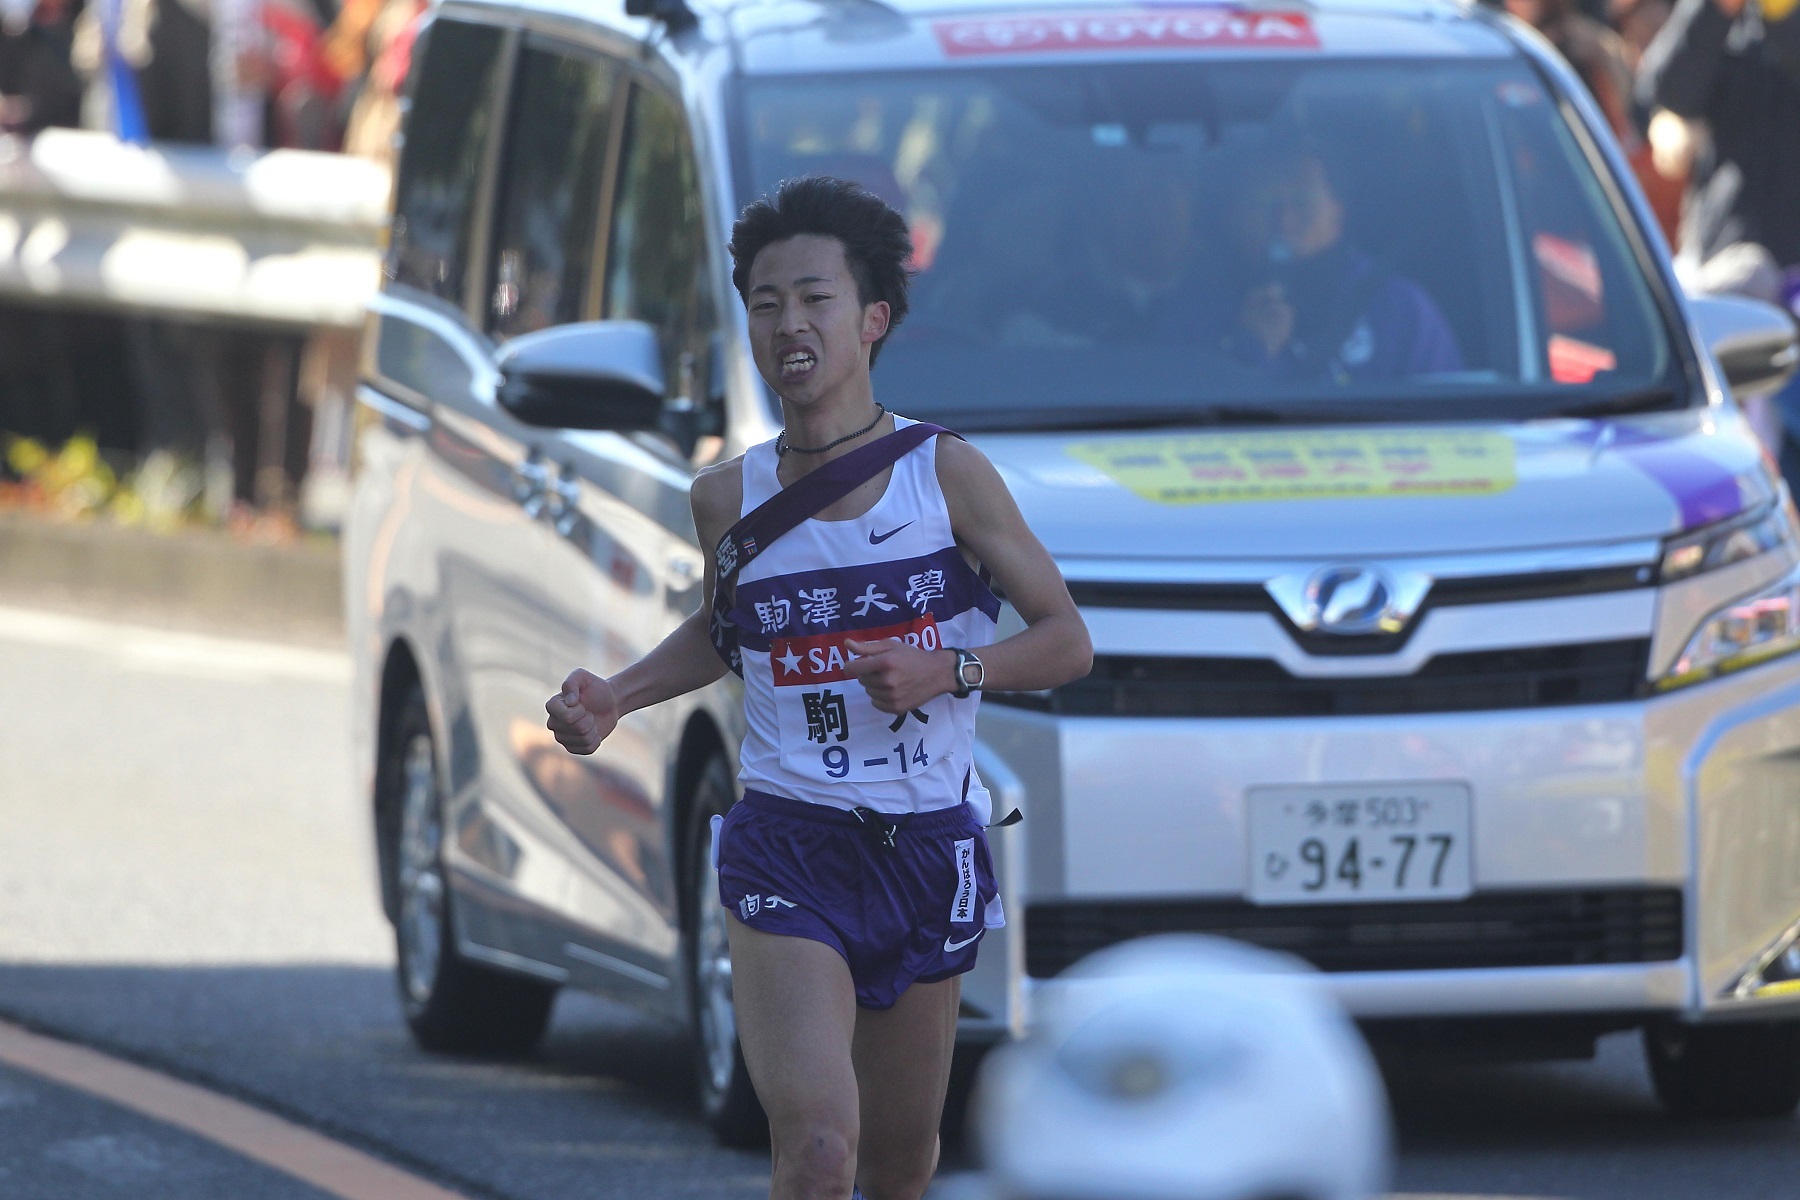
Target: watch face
point(965, 663)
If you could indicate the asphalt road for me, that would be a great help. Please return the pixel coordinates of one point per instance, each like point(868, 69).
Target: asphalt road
point(183, 883)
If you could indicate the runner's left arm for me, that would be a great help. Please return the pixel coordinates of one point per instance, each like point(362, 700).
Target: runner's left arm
point(588, 708)
point(1051, 650)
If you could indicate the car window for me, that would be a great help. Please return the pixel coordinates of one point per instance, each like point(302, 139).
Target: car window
point(655, 265)
point(1116, 242)
point(1588, 308)
point(452, 109)
point(420, 360)
point(549, 191)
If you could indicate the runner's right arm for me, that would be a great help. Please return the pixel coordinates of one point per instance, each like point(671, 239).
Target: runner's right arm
point(588, 708)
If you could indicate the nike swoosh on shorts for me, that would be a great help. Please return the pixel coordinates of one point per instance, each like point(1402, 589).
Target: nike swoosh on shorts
point(951, 945)
point(876, 540)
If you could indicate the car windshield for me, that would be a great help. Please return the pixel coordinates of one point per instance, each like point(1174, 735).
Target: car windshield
point(1155, 242)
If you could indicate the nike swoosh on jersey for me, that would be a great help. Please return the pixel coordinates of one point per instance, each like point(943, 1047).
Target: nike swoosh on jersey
point(951, 945)
point(876, 539)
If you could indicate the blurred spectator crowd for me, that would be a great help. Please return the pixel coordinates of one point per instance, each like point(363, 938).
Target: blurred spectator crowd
point(1704, 98)
point(230, 415)
point(1702, 95)
point(304, 74)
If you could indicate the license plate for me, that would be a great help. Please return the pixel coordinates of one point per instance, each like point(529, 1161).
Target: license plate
point(1359, 842)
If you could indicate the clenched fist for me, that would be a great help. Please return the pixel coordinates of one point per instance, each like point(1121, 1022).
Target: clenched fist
point(898, 677)
point(583, 713)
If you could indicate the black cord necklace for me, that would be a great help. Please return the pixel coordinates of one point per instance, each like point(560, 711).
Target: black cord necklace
point(782, 447)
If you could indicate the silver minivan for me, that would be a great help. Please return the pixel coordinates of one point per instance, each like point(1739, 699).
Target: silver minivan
point(1443, 600)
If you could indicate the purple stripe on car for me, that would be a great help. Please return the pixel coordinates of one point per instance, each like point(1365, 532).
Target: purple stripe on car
point(1704, 489)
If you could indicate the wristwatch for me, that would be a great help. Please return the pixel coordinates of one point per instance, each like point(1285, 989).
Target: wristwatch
point(969, 672)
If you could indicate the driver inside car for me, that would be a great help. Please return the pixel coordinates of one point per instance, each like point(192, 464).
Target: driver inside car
point(1314, 307)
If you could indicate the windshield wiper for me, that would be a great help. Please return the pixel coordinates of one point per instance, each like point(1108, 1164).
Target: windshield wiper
point(999, 420)
point(1651, 399)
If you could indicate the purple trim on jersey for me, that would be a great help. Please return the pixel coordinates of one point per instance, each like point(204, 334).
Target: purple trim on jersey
point(954, 591)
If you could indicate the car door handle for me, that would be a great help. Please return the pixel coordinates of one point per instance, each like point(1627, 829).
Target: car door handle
point(530, 480)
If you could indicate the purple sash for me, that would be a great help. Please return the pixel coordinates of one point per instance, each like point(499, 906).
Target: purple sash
point(787, 508)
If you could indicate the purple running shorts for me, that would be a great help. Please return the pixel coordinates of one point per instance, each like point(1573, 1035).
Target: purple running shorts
point(905, 899)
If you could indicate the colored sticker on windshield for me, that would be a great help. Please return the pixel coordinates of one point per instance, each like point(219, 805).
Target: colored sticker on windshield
point(1204, 27)
point(1226, 468)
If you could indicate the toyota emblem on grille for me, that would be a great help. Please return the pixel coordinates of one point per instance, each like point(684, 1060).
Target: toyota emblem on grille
point(1353, 600)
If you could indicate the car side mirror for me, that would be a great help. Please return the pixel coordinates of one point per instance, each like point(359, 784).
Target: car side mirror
point(589, 375)
point(1754, 342)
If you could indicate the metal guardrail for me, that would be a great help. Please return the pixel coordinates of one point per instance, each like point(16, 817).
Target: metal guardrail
point(287, 237)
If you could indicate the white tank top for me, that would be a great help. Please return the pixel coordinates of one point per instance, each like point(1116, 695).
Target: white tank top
point(895, 572)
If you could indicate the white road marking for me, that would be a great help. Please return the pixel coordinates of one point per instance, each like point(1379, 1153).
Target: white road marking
point(162, 651)
point(281, 1145)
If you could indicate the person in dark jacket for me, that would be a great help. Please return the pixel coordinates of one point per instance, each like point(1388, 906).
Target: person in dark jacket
point(1313, 306)
point(1735, 65)
point(38, 85)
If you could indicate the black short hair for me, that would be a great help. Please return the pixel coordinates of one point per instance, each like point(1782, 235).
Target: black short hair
point(876, 243)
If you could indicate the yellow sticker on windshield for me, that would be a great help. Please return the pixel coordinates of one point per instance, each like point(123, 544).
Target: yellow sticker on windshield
point(1224, 468)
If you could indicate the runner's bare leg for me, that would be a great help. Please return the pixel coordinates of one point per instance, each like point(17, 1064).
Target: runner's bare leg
point(902, 1057)
point(797, 1018)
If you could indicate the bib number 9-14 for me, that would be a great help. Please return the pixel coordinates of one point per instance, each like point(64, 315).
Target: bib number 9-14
point(908, 755)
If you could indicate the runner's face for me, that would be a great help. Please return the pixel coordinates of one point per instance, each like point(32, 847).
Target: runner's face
point(809, 329)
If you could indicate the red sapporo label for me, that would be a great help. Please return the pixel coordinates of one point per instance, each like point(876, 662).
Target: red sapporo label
point(1154, 29)
point(821, 657)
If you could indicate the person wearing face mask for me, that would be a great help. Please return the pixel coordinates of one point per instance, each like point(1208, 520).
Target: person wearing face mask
point(1314, 307)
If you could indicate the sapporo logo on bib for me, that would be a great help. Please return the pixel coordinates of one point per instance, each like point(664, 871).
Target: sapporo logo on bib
point(830, 730)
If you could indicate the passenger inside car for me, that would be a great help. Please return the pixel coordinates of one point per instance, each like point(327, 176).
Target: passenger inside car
point(1311, 305)
point(1141, 270)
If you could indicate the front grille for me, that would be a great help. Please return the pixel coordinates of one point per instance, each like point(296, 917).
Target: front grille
point(1493, 929)
point(1530, 677)
point(1444, 593)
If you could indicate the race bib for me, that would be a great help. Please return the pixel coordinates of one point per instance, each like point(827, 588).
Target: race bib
point(831, 732)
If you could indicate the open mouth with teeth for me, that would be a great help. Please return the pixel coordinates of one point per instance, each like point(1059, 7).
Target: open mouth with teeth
point(797, 363)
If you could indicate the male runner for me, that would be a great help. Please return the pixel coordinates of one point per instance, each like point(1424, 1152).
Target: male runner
point(855, 868)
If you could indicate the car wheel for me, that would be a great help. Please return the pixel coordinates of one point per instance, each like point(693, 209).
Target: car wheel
point(1737, 1071)
point(726, 1094)
point(451, 1004)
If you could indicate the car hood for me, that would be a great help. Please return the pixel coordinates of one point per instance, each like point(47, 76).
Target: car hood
point(1384, 491)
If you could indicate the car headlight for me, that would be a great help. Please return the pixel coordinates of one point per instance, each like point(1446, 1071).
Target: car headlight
point(1749, 630)
point(1725, 543)
point(1742, 634)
